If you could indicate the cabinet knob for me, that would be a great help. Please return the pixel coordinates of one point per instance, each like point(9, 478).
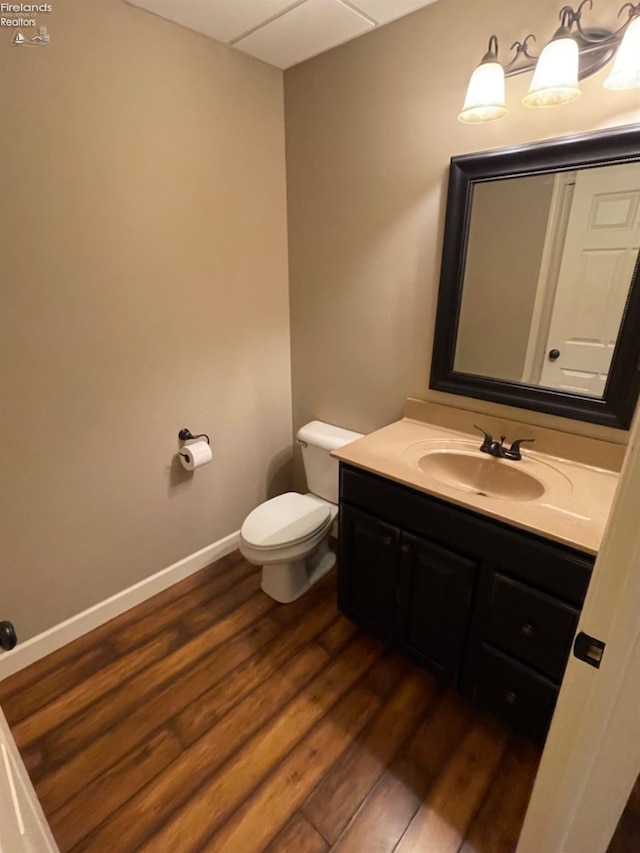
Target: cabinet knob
point(388, 540)
point(405, 549)
point(527, 629)
point(511, 698)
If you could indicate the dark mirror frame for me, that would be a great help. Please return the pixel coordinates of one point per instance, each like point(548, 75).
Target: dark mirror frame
point(616, 408)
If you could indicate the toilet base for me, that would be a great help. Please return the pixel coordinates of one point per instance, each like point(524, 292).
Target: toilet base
point(285, 582)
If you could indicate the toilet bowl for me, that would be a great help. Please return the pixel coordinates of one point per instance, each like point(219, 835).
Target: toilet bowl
point(289, 535)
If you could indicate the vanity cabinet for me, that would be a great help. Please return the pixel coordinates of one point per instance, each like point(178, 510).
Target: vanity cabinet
point(486, 607)
point(405, 590)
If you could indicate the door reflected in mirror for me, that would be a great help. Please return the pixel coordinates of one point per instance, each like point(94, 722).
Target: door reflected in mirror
point(549, 263)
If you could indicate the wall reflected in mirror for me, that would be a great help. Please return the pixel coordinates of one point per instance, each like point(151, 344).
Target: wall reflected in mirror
point(550, 259)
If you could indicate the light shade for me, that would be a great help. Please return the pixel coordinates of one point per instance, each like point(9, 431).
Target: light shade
point(626, 68)
point(555, 80)
point(485, 99)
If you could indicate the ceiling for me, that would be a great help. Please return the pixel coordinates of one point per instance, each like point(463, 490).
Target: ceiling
point(282, 32)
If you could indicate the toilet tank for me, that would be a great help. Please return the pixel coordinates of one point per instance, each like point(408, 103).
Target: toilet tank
point(317, 440)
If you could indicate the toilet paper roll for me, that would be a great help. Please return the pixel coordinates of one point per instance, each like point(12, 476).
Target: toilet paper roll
point(195, 455)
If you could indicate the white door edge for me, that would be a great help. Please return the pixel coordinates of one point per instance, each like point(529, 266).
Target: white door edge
point(592, 755)
point(559, 213)
point(21, 816)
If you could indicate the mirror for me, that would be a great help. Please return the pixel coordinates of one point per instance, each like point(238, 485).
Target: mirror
point(539, 304)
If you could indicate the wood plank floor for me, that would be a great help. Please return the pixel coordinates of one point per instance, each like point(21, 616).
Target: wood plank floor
point(212, 718)
point(626, 838)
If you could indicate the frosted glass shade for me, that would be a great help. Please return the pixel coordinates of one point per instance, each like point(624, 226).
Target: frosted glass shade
point(485, 99)
point(626, 68)
point(555, 80)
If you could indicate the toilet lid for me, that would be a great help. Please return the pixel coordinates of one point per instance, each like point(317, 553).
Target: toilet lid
point(291, 517)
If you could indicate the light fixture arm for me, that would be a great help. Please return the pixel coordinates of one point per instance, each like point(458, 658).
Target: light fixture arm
point(492, 53)
point(634, 12)
point(575, 16)
point(570, 16)
point(522, 50)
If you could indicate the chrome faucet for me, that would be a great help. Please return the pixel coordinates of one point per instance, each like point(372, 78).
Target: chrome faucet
point(496, 448)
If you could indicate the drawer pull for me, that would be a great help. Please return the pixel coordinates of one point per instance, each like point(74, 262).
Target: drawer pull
point(405, 549)
point(511, 699)
point(527, 629)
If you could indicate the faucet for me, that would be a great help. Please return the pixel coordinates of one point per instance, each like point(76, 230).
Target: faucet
point(496, 448)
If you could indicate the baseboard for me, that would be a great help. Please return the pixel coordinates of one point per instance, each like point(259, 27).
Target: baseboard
point(54, 638)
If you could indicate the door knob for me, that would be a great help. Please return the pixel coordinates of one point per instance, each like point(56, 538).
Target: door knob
point(554, 354)
point(8, 636)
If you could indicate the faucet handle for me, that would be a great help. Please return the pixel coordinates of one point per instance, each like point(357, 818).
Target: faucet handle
point(514, 450)
point(488, 439)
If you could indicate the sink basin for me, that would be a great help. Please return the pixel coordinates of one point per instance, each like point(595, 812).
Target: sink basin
point(481, 474)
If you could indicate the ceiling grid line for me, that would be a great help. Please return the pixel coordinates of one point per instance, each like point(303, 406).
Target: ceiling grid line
point(354, 8)
point(281, 33)
point(259, 26)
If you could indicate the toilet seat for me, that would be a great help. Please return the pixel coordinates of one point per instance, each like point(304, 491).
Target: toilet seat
point(284, 520)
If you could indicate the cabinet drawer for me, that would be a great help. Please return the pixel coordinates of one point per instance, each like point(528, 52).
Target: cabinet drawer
point(514, 693)
point(530, 625)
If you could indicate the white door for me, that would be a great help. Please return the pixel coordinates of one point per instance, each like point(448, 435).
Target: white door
point(23, 826)
point(600, 252)
point(592, 755)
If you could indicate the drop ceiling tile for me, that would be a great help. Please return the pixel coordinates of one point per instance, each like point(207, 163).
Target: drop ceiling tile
point(384, 11)
point(224, 20)
point(303, 32)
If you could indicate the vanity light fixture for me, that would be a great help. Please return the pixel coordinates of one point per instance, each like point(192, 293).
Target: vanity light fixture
point(626, 68)
point(485, 99)
point(555, 79)
point(574, 53)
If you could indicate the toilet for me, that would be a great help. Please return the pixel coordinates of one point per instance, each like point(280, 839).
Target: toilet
point(289, 535)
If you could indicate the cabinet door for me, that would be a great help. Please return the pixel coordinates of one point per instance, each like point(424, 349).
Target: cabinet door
point(367, 571)
point(434, 603)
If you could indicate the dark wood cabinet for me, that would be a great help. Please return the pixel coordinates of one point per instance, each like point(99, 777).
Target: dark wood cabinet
point(486, 607)
point(435, 588)
point(405, 590)
point(367, 592)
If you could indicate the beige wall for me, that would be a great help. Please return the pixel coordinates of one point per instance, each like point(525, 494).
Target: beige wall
point(370, 128)
point(506, 241)
point(144, 288)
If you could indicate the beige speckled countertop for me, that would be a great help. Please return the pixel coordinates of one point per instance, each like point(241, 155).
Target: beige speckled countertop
point(573, 509)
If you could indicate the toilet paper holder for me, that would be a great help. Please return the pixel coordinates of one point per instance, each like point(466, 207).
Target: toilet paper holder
point(186, 435)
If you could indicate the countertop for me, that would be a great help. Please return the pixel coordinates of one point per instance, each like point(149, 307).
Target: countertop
point(573, 509)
